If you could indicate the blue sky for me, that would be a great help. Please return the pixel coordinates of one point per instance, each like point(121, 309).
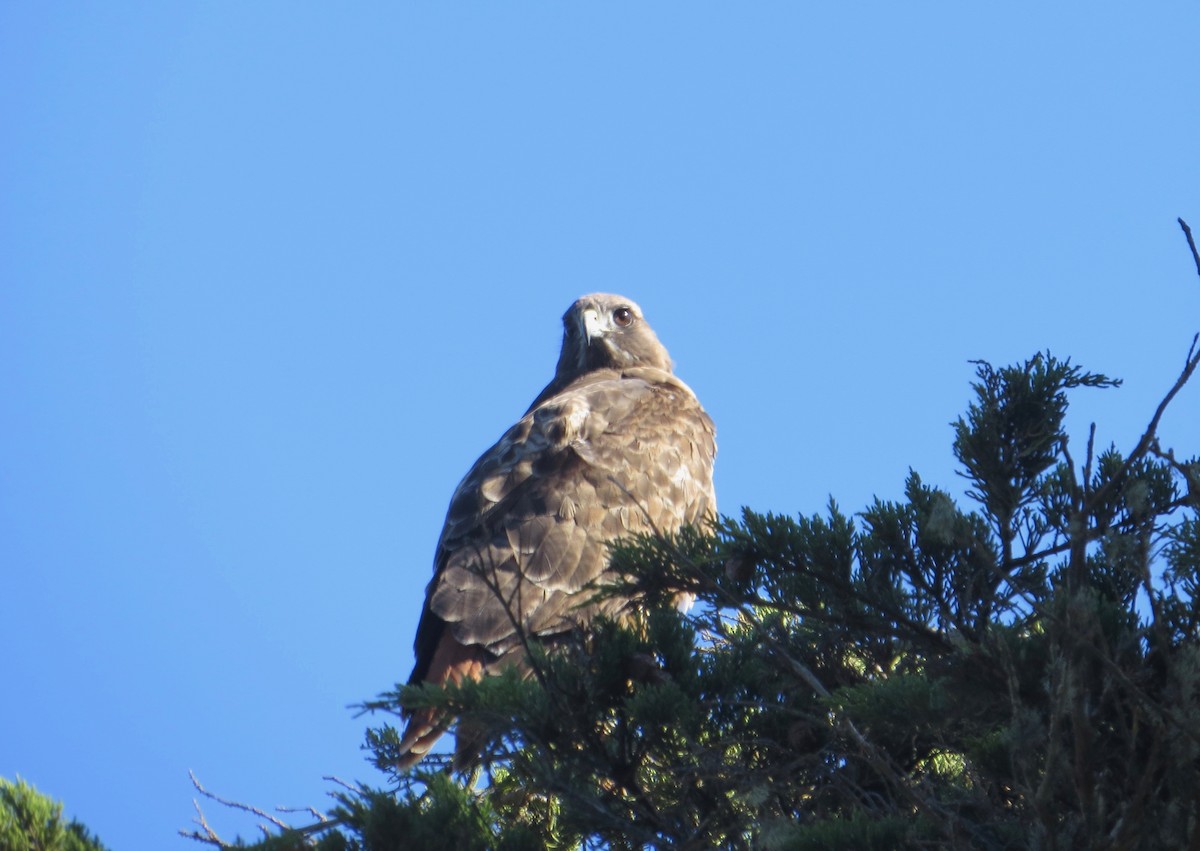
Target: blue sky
point(274, 274)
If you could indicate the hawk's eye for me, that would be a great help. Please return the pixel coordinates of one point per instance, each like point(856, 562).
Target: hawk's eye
point(623, 316)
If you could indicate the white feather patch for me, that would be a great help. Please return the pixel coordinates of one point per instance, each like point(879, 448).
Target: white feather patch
point(574, 416)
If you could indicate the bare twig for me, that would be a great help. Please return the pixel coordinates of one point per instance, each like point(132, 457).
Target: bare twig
point(313, 811)
point(1091, 456)
point(236, 805)
point(1187, 231)
point(209, 837)
point(340, 782)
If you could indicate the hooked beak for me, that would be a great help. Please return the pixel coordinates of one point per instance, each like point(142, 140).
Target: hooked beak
point(593, 325)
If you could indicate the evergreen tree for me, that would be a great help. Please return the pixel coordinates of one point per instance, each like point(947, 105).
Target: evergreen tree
point(1023, 673)
point(29, 821)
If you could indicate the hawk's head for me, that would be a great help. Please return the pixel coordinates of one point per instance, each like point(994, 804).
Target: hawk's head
point(604, 331)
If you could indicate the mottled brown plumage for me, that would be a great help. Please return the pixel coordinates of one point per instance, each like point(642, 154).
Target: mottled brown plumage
point(614, 445)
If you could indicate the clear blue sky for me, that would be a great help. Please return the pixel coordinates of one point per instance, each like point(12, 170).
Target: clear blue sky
point(272, 275)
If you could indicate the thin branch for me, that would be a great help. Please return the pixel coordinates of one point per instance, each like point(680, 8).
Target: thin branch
point(209, 837)
point(313, 811)
point(1187, 231)
point(330, 778)
point(492, 582)
point(1091, 456)
point(236, 805)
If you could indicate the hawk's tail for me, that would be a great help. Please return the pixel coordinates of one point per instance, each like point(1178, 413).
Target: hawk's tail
point(425, 726)
point(452, 663)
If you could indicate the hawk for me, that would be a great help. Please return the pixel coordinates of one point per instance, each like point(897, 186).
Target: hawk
point(613, 446)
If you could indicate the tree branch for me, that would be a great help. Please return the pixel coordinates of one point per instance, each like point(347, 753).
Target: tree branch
point(1147, 440)
point(1187, 231)
point(210, 837)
